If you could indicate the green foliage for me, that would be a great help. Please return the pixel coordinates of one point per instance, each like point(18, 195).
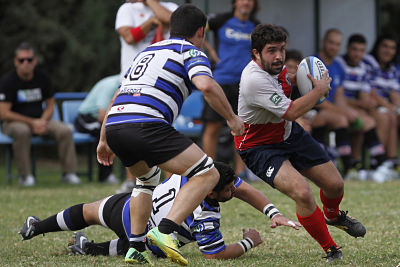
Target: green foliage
point(75, 40)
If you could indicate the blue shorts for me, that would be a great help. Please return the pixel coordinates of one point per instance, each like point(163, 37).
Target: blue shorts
point(300, 149)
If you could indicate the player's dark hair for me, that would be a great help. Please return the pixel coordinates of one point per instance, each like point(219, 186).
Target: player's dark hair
point(226, 173)
point(24, 46)
point(378, 41)
point(356, 38)
point(266, 34)
point(186, 20)
point(294, 55)
point(253, 12)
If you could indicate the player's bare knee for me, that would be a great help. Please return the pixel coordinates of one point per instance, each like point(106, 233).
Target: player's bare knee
point(304, 195)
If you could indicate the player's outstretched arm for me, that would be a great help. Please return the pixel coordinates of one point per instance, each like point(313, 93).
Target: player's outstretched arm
point(251, 239)
point(258, 200)
point(215, 97)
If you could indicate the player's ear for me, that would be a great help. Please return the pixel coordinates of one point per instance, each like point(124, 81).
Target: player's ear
point(255, 53)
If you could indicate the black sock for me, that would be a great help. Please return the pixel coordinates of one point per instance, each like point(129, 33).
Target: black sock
point(46, 226)
point(139, 246)
point(137, 242)
point(375, 148)
point(167, 226)
point(70, 219)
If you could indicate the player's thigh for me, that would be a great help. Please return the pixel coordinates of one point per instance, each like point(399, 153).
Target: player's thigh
point(91, 212)
point(290, 182)
point(325, 176)
point(184, 160)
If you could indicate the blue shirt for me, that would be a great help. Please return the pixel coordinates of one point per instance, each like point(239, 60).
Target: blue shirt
point(100, 96)
point(233, 44)
point(336, 72)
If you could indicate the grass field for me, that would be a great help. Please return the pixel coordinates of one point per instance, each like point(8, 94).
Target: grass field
point(376, 205)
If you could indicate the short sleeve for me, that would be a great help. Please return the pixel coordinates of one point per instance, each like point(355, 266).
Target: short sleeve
point(6, 93)
point(196, 63)
point(208, 237)
point(48, 90)
point(125, 17)
point(267, 95)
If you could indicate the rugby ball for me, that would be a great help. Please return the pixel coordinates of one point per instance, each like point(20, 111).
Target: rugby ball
point(309, 65)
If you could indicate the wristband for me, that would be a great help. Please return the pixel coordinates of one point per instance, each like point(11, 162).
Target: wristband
point(271, 211)
point(246, 244)
point(137, 33)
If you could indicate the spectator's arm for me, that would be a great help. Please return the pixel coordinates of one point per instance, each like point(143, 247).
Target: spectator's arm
point(6, 114)
point(49, 110)
point(132, 35)
point(160, 12)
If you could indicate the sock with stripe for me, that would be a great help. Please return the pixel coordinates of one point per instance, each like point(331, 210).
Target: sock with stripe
point(137, 241)
point(70, 219)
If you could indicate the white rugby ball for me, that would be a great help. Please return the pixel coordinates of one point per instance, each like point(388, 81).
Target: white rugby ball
point(309, 65)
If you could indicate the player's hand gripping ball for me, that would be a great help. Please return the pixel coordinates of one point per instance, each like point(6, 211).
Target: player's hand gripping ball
point(309, 65)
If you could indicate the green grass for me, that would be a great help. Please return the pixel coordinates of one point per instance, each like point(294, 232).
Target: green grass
point(376, 205)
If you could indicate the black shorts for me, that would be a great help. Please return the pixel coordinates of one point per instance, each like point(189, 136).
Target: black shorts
point(300, 149)
point(112, 213)
point(232, 94)
point(153, 142)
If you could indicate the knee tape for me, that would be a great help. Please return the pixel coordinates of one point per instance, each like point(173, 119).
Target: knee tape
point(202, 166)
point(147, 182)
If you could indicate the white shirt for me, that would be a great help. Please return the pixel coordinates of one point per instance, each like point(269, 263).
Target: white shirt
point(134, 15)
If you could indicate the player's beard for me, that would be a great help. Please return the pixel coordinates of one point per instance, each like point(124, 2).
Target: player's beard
point(270, 68)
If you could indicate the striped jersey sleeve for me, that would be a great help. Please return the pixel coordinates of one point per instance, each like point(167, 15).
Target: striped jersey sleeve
point(196, 63)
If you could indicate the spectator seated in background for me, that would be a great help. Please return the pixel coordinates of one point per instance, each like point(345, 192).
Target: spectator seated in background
point(22, 92)
point(356, 93)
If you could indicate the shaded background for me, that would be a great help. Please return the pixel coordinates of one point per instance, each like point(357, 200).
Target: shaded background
point(77, 45)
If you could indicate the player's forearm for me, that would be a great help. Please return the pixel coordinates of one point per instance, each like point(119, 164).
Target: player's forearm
point(303, 104)
point(230, 252)
point(215, 97)
point(11, 116)
point(161, 13)
point(252, 196)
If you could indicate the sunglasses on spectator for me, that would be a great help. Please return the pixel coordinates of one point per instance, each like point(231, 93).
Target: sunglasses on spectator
point(29, 59)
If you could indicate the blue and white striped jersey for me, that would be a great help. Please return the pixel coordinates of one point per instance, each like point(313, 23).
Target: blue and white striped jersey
point(158, 82)
point(384, 81)
point(201, 226)
point(356, 78)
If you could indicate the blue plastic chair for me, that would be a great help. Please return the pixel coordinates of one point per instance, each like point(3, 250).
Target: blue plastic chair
point(191, 110)
point(70, 112)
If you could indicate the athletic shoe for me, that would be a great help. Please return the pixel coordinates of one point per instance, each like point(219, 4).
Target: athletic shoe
point(167, 245)
point(28, 230)
point(134, 256)
point(27, 181)
point(352, 174)
point(126, 187)
point(333, 253)
point(348, 224)
point(78, 246)
point(71, 178)
point(111, 179)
